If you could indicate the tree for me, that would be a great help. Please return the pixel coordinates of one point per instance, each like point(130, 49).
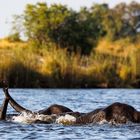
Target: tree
point(78, 32)
point(99, 13)
point(40, 20)
point(122, 21)
point(134, 16)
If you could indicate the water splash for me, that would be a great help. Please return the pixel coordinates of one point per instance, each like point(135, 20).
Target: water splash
point(34, 118)
point(66, 120)
point(29, 118)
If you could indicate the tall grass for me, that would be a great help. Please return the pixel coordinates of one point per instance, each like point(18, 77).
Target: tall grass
point(56, 68)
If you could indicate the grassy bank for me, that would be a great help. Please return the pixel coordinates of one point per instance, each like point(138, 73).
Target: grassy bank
point(112, 64)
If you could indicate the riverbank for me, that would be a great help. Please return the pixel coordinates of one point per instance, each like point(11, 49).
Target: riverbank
point(110, 65)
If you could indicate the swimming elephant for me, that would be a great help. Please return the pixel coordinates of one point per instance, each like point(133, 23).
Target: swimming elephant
point(114, 113)
point(51, 113)
point(53, 109)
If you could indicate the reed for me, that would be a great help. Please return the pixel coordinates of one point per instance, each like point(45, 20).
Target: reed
point(26, 66)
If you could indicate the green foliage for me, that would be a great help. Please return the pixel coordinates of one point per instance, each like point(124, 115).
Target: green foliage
point(14, 37)
point(40, 20)
point(79, 31)
point(122, 21)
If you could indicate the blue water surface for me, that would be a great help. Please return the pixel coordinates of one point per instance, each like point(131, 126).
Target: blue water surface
point(82, 100)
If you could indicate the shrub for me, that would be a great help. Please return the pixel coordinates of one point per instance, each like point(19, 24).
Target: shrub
point(14, 37)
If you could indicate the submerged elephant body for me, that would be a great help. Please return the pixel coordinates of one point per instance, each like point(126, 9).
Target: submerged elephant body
point(116, 112)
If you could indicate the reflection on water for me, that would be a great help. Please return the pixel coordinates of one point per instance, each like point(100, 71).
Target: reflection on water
point(77, 100)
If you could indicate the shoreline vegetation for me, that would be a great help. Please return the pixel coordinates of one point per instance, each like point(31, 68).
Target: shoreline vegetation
point(71, 50)
point(28, 67)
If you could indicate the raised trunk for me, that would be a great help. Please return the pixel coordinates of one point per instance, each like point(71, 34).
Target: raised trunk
point(14, 104)
point(4, 109)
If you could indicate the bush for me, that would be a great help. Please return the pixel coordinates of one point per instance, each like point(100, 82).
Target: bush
point(14, 37)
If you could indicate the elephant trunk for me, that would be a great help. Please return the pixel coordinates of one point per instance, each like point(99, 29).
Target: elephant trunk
point(14, 104)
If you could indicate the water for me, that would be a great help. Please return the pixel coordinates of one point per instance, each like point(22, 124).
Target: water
point(77, 100)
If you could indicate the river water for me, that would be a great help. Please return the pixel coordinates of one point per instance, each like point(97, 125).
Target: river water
point(77, 100)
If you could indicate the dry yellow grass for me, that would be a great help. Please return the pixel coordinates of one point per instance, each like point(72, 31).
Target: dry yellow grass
point(26, 66)
point(4, 43)
point(121, 48)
